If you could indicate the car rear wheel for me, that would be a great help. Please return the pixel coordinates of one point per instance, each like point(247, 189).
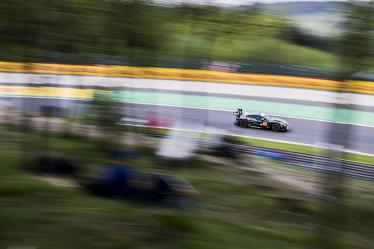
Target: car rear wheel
point(276, 127)
point(243, 123)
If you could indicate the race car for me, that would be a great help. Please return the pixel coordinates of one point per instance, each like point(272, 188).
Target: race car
point(259, 120)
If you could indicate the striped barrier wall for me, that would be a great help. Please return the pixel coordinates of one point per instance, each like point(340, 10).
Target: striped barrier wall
point(366, 87)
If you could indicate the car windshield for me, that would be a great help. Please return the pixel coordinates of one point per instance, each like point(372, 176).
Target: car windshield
point(267, 117)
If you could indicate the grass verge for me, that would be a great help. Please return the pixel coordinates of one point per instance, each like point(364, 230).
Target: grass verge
point(311, 150)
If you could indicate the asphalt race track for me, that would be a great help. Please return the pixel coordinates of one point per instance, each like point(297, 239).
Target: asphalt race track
point(301, 130)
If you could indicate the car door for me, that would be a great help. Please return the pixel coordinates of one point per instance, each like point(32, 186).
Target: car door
point(260, 121)
point(252, 120)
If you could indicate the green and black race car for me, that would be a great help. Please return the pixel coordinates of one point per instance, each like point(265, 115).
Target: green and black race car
point(259, 120)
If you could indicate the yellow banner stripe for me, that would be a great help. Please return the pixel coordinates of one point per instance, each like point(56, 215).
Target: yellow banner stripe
point(61, 92)
point(186, 74)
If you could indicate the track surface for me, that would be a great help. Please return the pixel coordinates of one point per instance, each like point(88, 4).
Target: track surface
point(302, 131)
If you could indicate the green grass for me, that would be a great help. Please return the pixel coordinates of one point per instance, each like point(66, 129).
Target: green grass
point(303, 149)
point(229, 212)
point(254, 48)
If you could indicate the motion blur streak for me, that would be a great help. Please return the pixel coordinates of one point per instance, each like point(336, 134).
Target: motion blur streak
point(171, 124)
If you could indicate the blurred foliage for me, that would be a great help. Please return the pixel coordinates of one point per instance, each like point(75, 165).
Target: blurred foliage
point(137, 30)
point(231, 213)
point(104, 111)
point(140, 32)
point(357, 43)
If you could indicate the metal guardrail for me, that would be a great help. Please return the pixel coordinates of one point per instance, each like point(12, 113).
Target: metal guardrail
point(313, 162)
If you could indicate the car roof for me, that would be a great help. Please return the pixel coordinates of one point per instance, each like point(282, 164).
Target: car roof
point(255, 113)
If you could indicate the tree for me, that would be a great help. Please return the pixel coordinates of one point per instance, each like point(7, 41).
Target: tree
point(356, 53)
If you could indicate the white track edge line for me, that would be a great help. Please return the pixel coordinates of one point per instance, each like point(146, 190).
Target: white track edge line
point(245, 136)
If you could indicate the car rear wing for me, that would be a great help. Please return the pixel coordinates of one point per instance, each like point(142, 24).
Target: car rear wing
point(238, 112)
